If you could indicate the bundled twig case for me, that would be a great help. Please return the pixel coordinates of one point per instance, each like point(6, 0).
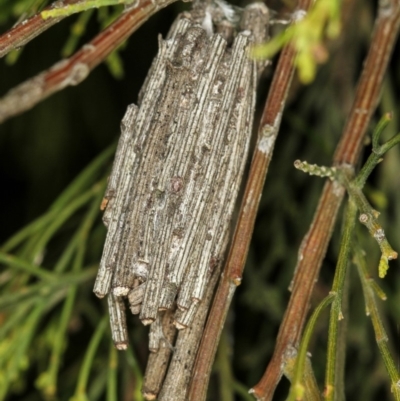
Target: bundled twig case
point(178, 168)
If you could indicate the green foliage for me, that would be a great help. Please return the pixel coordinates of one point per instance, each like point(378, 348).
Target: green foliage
point(83, 6)
point(32, 293)
point(368, 216)
point(19, 8)
point(307, 36)
point(77, 30)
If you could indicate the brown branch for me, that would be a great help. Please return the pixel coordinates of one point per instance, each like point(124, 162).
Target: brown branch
point(367, 96)
point(232, 276)
point(22, 33)
point(75, 69)
point(316, 240)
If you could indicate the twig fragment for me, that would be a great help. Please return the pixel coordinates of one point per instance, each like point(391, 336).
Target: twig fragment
point(119, 331)
point(158, 361)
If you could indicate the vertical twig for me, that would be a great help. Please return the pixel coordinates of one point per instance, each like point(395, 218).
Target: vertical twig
point(315, 242)
point(232, 275)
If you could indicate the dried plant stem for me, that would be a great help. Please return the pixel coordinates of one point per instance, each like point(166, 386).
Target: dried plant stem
point(157, 363)
point(315, 242)
point(232, 275)
point(22, 33)
point(311, 253)
point(75, 69)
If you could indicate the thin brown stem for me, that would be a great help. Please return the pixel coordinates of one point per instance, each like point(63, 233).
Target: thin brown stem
point(75, 69)
point(370, 83)
point(311, 254)
point(22, 33)
point(233, 270)
point(314, 245)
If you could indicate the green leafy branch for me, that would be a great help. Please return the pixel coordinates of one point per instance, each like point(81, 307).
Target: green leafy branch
point(368, 216)
point(303, 388)
point(298, 366)
point(31, 292)
point(370, 290)
point(83, 5)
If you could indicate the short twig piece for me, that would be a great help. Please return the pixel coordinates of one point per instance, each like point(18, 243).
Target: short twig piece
point(157, 363)
point(118, 322)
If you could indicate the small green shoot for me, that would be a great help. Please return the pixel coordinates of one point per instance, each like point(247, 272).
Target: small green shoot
point(307, 34)
point(370, 289)
point(298, 366)
point(70, 9)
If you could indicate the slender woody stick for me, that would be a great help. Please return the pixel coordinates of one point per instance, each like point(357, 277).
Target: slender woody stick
point(22, 33)
point(232, 276)
point(75, 69)
point(315, 242)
